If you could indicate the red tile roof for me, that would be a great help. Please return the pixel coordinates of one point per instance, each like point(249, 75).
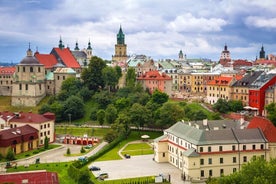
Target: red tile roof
point(29, 117)
point(67, 57)
point(221, 81)
point(7, 70)
point(48, 60)
point(154, 75)
point(30, 176)
point(265, 125)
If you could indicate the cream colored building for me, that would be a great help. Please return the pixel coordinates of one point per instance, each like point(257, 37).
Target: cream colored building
point(45, 124)
point(202, 150)
point(28, 87)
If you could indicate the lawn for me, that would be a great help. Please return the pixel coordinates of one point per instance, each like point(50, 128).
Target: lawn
point(60, 168)
point(138, 149)
point(135, 135)
point(80, 131)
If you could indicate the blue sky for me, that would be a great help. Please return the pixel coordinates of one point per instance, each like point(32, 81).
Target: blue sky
point(156, 28)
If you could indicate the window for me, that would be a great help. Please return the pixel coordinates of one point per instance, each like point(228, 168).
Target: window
point(26, 86)
point(200, 149)
point(38, 69)
point(234, 159)
point(48, 132)
point(209, 149)
point(221, 160)
point(234, 170)
point(20, 86)
point(41, 126)
point(210, 161)
point(262, 146)
point(202, 173)
point(210, 172)
point(221, 171)
point(31, 69)
point(253, 146)
point(164, 154)
point(23, 69)
point(201, 161)
point(39, 86)
point(48, 125)
point(220, 148)
point(245, 159)
point(45, 126)
point(244, 147)
point(58, 77)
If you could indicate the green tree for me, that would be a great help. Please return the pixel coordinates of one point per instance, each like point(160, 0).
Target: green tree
point(85, 93)
point(101, 116)
point(168, 114)
point(110, 77)
point(68, 152)
point(271, 110)
point(159, 97)
point(71, 85)
point(139, 115)
point(103, 99)
point(46, 143)
point(130, 77)
point(221, 106)
point(82, 150)
point(122, 103)
point(93, 113)
point(235, 105)
point(57, 109)
point(123, 121)
point(110, 114)
point(74, 106)
point(10, 155)
point(44, 108)
point(84, 177)
point(92, 76)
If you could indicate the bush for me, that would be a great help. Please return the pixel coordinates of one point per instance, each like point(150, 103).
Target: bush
point(10, 155)
point(68, 152)
point(82, 150)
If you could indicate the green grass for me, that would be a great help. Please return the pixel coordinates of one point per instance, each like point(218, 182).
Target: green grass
point(199, 107)
point(60, 168)
point(138, 149)
point(80, 131)
point(135, 135)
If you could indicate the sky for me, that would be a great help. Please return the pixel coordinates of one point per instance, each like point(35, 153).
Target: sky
point(155, 28)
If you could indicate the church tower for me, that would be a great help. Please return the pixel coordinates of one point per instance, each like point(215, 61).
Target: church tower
point(28, 87)
point(262, 53)
point(225, 55)
point(89, 51)
point(120, 48)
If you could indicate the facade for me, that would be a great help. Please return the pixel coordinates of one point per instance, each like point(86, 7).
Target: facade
point(19, 139)
point(240, 89)
point(45, 124)
point(28, 87)
point(201, 150)
point(6, 79)
point(60, 75)
point(219, 88)
point(120, 48)
point(153, 80)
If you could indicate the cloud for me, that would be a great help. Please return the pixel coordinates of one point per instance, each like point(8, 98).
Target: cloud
point(260, 22)
point(187, 23)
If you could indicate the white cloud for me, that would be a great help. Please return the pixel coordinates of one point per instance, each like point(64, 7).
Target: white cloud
point(188, 23)
point(260, 22)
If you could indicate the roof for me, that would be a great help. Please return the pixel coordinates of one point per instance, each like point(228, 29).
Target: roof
point(49, 76)
point(191, 153)
point(48, 60)
point(67, 57)
point(30, 177)
point(221, 81)
point(29, 117)
point(262, 80)
point(7, 70)
point(79, 54)
point(154, 75)
point(18, 131)
point(247, 79)
point(198, 136)
point(65, 70)
point(265, 125)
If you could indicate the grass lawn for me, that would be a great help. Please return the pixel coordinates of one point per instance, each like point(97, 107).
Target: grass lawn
point(60, 168)
point(135, 135)
point(80, 131)
point(138, 149)
point(199, 107)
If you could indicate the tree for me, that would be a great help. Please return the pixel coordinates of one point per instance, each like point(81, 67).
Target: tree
point(168, 114)
point(159, 97)
point(101, 116)
point(139, 115)
point(221, 106)
point(57, 109)
point(74, 106)
point(110, 77)
point(130, 77)
point(235, 105)
point(84, 177)
point(10, 155)
point(92, 76)
point(103, 98)
point(71, 85)
point(122, 103)
point(271, 110)
point(44, 108)
point(68, 152)
point(82, 150)
point(85, 93)
point(123, 120)
point(46, 143)
point(110, 114)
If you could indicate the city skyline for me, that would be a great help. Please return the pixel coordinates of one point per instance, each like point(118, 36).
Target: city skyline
point(159, 29)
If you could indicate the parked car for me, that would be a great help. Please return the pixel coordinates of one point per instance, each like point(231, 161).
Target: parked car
point(89, 146)
point(127, 156)
point(102, 176)
point(94, 168)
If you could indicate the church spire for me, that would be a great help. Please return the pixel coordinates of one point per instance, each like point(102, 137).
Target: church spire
point(120, 36)
point(77, 46)
point(89, 45)
point(262, 53)
point(61, 46)
point(29, 51)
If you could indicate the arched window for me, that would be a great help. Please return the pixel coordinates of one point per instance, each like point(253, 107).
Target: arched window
point(31, 69)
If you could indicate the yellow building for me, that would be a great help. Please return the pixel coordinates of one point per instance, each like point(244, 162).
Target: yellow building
point(120, 48)
point(204, 149)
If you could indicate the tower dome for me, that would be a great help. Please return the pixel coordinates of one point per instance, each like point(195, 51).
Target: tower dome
point(29, 59)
